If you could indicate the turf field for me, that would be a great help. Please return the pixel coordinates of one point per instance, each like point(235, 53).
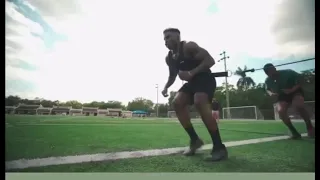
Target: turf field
point(79, 138)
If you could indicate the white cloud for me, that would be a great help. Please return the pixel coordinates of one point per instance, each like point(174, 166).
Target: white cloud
point(18, 17)
point(115, 49)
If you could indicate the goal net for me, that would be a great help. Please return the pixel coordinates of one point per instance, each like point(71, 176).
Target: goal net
point(310, 106)
point(242, 112)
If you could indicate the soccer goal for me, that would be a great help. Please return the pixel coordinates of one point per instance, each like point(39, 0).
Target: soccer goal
point(172, 114)
point(242, 112)
point(310, 106)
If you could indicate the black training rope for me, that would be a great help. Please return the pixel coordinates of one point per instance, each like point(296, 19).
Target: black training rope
point(253, 70)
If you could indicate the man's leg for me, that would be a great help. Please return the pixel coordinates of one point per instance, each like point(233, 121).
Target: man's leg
point(298, 104)
point(214, 115)
point(217, 116)
point(180, 104)
point(202, 103)
point(283, 114)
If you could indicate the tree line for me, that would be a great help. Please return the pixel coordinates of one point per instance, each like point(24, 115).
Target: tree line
point(245, 93)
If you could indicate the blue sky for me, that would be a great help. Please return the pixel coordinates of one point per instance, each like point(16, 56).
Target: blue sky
point(98, 50)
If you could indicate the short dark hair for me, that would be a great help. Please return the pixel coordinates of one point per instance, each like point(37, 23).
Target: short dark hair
point(171, 30)
point(267, 67)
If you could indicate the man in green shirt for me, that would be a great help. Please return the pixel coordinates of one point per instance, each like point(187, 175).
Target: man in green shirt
point(285, 85)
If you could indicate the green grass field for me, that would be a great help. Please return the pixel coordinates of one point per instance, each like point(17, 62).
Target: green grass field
point(30, 137)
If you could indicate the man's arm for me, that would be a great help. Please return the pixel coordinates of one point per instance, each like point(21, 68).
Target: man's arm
point(298, 80)
point(268, 90)
point(199, 54)
point(172, 74)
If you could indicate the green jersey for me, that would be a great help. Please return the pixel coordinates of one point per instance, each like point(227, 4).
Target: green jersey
point(287, 79)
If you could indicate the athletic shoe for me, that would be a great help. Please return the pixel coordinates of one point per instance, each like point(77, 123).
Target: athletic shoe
point(295, 136)
point(194, 146)
point(218, 154)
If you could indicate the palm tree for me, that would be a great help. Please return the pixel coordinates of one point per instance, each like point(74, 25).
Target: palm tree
point(244, 82)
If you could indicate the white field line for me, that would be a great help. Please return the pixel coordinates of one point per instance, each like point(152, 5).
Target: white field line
point(107, 124)
point(222, 120)
point(41, 162)
point(60, 118)
point(87, 124)
point(8, 125)
point(169, 121)
point(102, 124)
point(115, 123)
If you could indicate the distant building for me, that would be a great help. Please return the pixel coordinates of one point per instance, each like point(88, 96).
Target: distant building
point(76, 112)
point(44, 111)
point(10, 109)
point(27, 109)
point(102, 112)
point(114, 112)
point(90, 111)
point(61, 110)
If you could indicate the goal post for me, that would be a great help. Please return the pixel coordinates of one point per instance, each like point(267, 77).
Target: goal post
point(310, 106)
point(172, 114)
point(243, 112)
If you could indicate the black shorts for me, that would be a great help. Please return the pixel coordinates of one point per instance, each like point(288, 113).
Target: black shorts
point(289, 97)
point(204, 83)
